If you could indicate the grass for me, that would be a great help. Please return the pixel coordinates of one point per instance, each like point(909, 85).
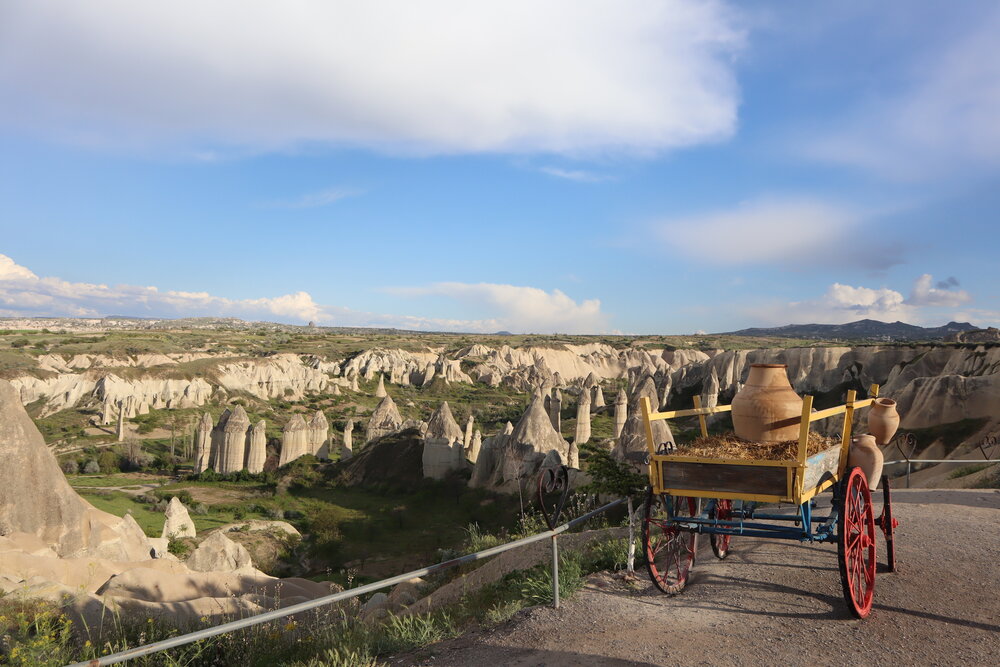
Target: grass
point(968, 470)
point(151, 521)
point(117, 479)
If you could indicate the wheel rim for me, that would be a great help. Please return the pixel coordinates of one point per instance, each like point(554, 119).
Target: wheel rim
point(669, 551)
point(856, 544)
point(723, 511)
point(888, 526)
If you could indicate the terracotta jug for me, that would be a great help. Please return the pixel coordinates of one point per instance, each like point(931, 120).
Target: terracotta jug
point(767, 409)
point(866, 455)
point(883, 420)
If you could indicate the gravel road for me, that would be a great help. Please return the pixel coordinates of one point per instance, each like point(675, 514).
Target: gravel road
point(779, 603)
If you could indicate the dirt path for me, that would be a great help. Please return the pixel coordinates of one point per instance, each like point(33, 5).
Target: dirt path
point(779, 603)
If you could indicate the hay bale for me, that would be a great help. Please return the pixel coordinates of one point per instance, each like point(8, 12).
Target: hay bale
point(729, 446)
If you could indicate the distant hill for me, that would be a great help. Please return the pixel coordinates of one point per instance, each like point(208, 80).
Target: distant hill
point(860, 330)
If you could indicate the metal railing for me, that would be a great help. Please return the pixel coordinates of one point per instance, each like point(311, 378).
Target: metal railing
point(205, 633)
point(910, 440)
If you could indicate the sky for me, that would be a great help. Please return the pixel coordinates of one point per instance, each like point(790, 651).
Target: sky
point(562, 167)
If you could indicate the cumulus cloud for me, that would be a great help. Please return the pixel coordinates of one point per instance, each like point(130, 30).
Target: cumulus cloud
point(791, 230)
point(521, 309)
point(846, 303)
point(566, 76)
point(941, 115)
point(22, 293)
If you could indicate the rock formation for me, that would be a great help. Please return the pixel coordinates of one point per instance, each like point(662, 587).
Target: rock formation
point(508, 462)
point(295, 440)
point(582, 419)
point(216, 439)
point(35, 497)
point(231, 435)
point(598, 397)
point(347, 449)
point(621, 412)
point(555, 410)
point(631, 444)
point(218, 553)
point(472, 453)
point(380, 390)
point(256, 450)
point(319, 431)
point(385, 419)
point(443, 449)
point(442, 424)
point(120, 429)
point(177, 522)
point(203, 443)
point(467, 440)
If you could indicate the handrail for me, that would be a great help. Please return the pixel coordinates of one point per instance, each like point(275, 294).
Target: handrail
point(205, 633)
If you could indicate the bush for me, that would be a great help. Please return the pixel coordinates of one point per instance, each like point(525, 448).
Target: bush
point(92, 468)
point(179, 548)
point(70, 467)
point(200, 509)
point(109, 461)
point(19, 342)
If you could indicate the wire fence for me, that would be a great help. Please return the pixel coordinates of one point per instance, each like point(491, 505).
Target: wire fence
point(239, 624)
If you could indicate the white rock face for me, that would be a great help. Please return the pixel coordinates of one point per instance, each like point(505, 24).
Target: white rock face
point(582, 420)
point(256, 450)
point(203, 443)
point(319, 431)
point(380, 390)
point(231, 436)
point(218, 553)
point(631, 445)
point(35, 497)
point(507, 462)
point(442, 425)
point(472, 453)
point(347, 449)
point(385, 419)
point(621, 412)
point(295, 440)
point(178, 522)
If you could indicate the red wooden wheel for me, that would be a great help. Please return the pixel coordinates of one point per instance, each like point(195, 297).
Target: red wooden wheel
point(669, 550)
point(856, 543)
point(888, 526)
point(723, 511)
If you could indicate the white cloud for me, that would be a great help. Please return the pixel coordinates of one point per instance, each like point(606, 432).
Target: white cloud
point(846, 303)
point(22, 293)
point(566, 76)
point(521, 309)
point(792, 230)
point(925, 294)
point(317, 199)
point(579, 175)
point(942, 118)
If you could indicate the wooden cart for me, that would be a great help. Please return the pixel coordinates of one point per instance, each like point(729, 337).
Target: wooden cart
point(722, 497)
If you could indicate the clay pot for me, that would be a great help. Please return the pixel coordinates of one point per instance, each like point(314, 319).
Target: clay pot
point(883, 420)
point(866, 455)
point(767, 409)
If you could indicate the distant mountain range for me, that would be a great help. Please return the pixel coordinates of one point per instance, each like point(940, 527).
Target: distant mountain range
point(860, 330)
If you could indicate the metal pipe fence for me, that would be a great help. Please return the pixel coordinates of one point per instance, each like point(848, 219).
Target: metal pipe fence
point(239, 624)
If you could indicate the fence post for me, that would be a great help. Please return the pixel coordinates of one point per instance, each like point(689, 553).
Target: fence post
point(555, 571)
point(907, 473)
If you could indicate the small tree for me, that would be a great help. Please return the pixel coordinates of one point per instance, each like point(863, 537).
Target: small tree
point(92, 468)
point(616, 478)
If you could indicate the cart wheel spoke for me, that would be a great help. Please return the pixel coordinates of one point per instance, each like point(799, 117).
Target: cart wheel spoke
point(856, 543)
point(669, 550)
point(722, 511)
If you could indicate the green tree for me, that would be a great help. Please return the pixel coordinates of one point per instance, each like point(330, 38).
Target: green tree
point(616, 478)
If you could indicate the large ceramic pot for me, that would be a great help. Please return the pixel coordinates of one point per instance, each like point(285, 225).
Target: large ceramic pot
point(866, 455)
point(767, 409)
point(883, 420)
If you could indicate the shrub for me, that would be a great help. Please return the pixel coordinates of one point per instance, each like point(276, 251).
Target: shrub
point(109, 461)
point(70, 467)
point(536, 587)
point(19, 342)
point(200, 509)
point(92, 468)
point(179, 548)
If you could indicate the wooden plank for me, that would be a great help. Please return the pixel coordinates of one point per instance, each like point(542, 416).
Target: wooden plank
point(845, 436)
point(701, 418)
point(650, 445)
point(821, 467)
point(736, 462)
point(724, 478)
point(690, 413)
point(750, 497)
point(826, 414)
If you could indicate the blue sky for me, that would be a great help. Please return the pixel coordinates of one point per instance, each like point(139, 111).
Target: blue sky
point(556, 167)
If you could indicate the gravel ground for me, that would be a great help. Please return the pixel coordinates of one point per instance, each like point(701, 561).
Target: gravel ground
point(779, 603)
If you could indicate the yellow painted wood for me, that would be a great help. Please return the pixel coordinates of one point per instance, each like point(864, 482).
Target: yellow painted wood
point(724, 495)
point(845, 436)
point(873, 391)
point(654, 471)
point(690, 413)
point(701, 417)
point(807, 402)
point(809, 495)
point(679, 458)
point(827, 413)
